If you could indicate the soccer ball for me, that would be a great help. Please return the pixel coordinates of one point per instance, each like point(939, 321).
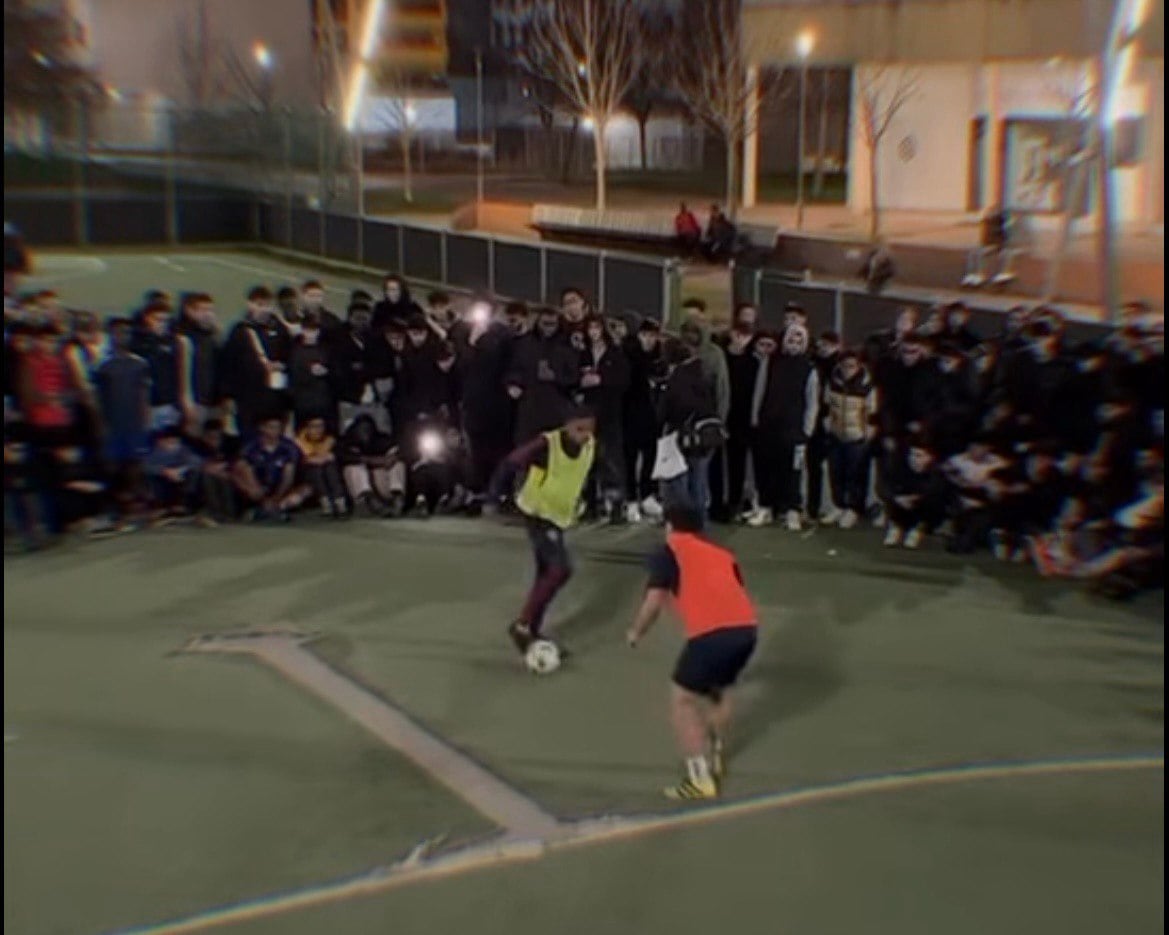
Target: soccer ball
point(542, 657)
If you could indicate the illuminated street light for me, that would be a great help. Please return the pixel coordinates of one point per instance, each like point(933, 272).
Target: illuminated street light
point(263, 55)
point(360, 75)
point(804, 44)
point(588, 123)
point(411, 114)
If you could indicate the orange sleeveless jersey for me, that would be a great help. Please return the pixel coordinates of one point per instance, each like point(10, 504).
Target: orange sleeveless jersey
point(710, 596)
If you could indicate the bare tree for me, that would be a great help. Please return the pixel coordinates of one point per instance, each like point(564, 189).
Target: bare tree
point(588, 50)
point(200, 57)
point(395, 113)
point(251, 84)
point(1075, 149)
point(713, 78)
point(651, 83)
point(882, 92)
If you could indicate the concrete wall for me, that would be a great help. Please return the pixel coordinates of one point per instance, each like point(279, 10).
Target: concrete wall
point(924, 159)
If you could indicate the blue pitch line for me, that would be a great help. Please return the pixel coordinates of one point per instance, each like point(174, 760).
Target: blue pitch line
point(382, 878)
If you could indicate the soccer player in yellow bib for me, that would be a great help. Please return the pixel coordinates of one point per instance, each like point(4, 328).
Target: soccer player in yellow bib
point(555, 466)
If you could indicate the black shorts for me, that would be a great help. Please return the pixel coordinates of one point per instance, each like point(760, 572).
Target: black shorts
point(548, 546)
point(712, 662)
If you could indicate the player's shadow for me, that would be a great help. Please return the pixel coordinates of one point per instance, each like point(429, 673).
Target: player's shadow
point(796, 669)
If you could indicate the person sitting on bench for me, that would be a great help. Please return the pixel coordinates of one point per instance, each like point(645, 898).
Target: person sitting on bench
point(687, 230)
point(719, 242)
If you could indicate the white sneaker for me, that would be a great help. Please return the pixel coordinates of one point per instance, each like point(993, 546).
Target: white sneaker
point(848, 519)
point(913, 539)
point(894, 535)
point(326, 506)
point(880, 520)
point(632, 513)
point(761, 517)
point(651, 508)
point(972, 280)
point(831, 516)
point(792, 521)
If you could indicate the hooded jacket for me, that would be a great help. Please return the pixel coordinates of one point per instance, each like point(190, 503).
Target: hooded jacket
point(714, 366)
point(851, 405)
point(401, 311)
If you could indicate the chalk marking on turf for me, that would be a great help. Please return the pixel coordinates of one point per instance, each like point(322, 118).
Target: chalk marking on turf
point(266, 272)
point(487, 794)
point(170, 264)
point(54, 270)
point(508, 849)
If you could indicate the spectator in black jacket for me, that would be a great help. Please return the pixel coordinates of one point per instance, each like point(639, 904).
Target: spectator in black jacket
point(825, 359)
point(486, 409)
point(604, 378)
point(640, 430)
point(742, 365)
point(955, 419)
point(255, 362)
point(349, 356)
point(917, 496)
point(542, 374)
point(784, 405)
point(396, 303)
point(200, 392)
point(158, 345)
point(312, 295)
point(688, 398)
point(311, 378)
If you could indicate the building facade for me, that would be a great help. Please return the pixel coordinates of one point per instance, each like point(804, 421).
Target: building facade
point(1000, 94)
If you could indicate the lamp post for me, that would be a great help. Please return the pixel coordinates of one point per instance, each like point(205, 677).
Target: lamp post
point(479, 127)
point(803, 49)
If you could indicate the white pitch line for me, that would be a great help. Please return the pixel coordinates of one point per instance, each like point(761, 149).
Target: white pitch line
point(483, 791)
point(266, 272)
point(170, 264)
point(585, 833)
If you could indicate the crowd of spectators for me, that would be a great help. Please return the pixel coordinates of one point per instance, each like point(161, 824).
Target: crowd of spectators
point(1021, 442)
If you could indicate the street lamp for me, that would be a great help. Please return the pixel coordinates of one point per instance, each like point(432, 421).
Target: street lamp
point(263, 56)
point(804, 43)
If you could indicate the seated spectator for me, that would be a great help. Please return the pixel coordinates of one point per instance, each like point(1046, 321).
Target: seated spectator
point(266, 473)
point(173, 471)
point(917, 497)
point(80, 500)
point(977, 476)
point(218, 451)
point(878, 270)
point(373, 473)
point(438, 470)
point(850, 427)
point(1035, 495)
point(319, 465)
point(718, 243)
point(687, 230)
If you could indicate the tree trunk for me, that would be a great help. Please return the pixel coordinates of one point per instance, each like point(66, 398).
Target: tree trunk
point(642, 124)
point(599, 158)
point(822, 141)
point(874, 203)
point(566, 165)
point(407, 181)
point(732, 202)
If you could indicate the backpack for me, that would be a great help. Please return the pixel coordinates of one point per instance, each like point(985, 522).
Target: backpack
point(702, 435)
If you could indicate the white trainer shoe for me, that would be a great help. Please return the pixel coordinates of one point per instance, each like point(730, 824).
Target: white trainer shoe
point(913, 538)
point(761, 517)
point(831, 516)
point(848, 519)
point(650, 508)
point(792, 521)
point(632, 513)
point(894, 535)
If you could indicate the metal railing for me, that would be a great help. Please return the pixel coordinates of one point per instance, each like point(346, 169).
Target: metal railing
point(508, 268)
point(854, 313)
point(505, 267)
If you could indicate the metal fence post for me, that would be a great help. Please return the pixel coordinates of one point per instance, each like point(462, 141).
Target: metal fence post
point(401, 250)
point(838, 312)
point(669, 292)
point(288, 176)
point(443, 272)
point(757, 287)
point(491, 265)
point(321, 194)
point(170, 195)
point(600, 302)
point(80, 161)
point(543, 274)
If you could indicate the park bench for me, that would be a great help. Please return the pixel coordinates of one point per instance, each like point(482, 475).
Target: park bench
point(636, 229)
